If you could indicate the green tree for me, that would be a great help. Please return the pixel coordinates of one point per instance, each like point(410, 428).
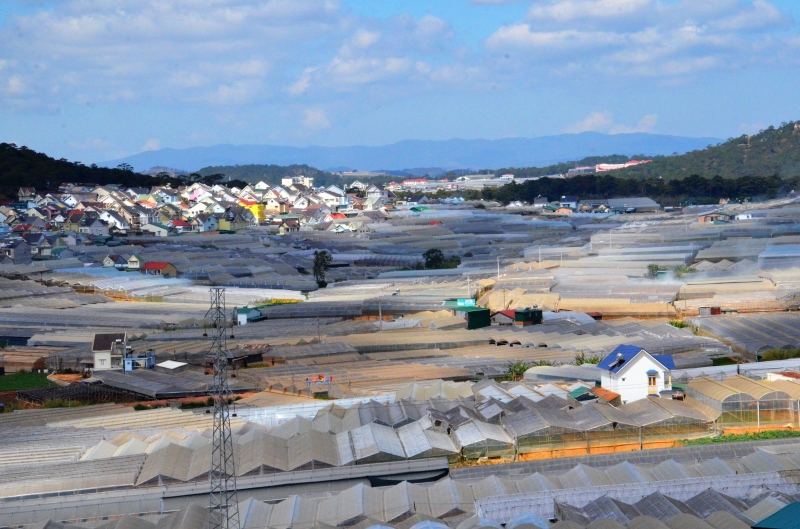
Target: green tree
point(433, 258)
point(322, 262)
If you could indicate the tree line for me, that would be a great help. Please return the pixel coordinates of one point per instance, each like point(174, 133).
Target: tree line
point(23, 167)
point(667, 192)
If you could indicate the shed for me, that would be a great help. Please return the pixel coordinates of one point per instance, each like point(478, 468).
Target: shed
point(245, 314)
point(477, 317)
point(529, 316)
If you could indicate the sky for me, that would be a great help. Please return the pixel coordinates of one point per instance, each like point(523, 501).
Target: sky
point(94, 80)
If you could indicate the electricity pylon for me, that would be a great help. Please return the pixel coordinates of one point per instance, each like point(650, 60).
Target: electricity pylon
point(224, 511)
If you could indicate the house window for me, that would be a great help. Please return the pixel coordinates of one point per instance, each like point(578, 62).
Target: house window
point(102, 362)
point(651, 380)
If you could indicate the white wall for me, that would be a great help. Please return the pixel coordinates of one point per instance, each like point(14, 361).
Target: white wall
point(102, 361)
point(631, 381)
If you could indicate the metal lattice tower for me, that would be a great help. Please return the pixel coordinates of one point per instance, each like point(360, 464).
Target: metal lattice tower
point(224, 511)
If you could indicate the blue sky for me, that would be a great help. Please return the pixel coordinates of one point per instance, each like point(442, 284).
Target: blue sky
point(92, 80)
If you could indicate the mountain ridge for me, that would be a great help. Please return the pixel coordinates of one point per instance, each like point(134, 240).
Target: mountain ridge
point(448, 154)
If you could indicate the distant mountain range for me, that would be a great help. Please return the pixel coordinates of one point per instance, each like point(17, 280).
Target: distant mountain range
point(447, 154)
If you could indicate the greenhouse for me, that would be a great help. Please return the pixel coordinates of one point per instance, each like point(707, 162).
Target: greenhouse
point(418, 442)
point(773, 406)
point(373, 443)
point(743, 402)
point(735, 407)
point(478, 439)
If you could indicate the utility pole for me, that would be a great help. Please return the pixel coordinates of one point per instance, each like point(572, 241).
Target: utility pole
point(498, 267)
point(468, 289)
point(224, 509)
point(380, 315)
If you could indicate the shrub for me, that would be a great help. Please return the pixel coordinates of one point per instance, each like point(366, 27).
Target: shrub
point(516, 370)
point(141, 407)
point(581, 359)
point(61, 403)
point(780, 354)
point(678, 324)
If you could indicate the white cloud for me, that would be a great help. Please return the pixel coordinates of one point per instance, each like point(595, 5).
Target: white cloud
point(522, 36)
point(303, 83)
point(178, 51)
point(646, 124)
point(594, 122)
point(569, 10)
point(392, 56)
point(604, 122)
point(316, 119)
point(151, 145)
point(15, 85)
point(361, 41)
point(643, 37)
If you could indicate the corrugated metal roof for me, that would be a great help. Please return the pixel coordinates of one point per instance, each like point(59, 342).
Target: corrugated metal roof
point(786, 518)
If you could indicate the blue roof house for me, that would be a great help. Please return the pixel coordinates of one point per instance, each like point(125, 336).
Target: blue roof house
point(635, 374)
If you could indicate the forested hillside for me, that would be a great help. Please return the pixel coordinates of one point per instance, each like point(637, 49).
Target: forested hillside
point(774, 151)
point(23, 167)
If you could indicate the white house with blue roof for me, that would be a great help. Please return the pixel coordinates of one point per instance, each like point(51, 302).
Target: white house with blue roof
point(635, 374)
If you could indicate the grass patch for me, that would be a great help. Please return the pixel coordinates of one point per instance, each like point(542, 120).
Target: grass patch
point(725, 361)
point(62, 403)
point(22, 381)
point(678, 324)
point(194, 405)
point(780, 354)
point(737, 438)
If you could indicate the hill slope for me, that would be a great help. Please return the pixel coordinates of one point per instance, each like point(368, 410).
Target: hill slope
point(22, 167)
point(774, 151)
point(448, 154)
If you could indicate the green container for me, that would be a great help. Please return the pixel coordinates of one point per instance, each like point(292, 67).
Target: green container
point(528, 316)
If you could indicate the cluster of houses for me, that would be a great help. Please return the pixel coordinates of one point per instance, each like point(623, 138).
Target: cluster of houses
point(41, 225)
